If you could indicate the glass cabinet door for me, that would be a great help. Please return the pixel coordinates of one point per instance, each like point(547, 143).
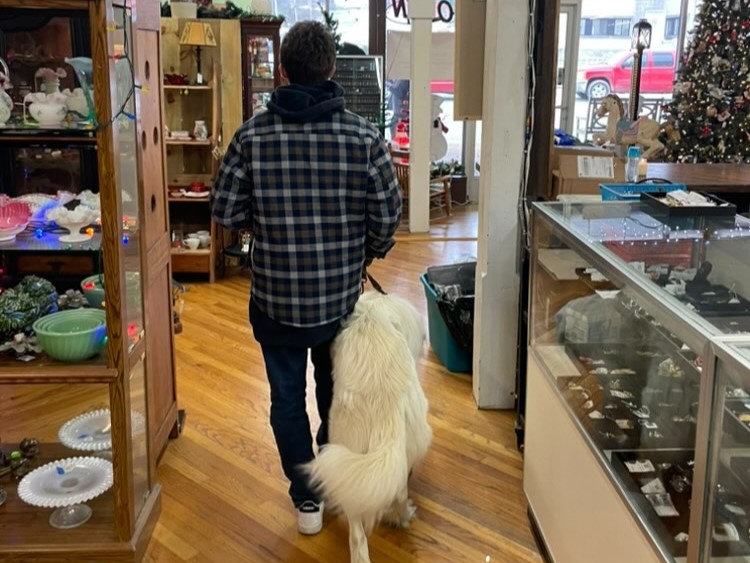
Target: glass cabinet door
point(260, 71)
point(126, 166)
point(260, 60)
point(725, 526)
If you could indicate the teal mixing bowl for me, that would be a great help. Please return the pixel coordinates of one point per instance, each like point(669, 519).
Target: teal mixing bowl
point(72, 336)
point(93, 289)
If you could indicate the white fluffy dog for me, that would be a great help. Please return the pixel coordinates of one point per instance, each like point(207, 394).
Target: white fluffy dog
point(378, 424)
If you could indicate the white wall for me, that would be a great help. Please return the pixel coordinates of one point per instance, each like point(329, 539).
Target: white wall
point(497, 286)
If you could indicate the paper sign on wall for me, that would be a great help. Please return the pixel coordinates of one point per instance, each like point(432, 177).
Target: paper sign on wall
point(596, 167)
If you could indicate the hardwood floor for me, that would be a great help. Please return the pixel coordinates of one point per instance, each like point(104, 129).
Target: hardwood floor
point(224, 495)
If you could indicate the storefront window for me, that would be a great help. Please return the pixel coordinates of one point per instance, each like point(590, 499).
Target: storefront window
point(397, 26)
point(353, 17)
point(605, 60)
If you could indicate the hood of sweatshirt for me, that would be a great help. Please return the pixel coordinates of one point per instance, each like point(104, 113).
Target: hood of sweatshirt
point(307, 103)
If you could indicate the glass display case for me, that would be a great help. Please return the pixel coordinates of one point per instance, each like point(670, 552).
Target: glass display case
point(625, 307)
point(76, 221)
point(722, 493)
point(260, 62)
point(362, 79)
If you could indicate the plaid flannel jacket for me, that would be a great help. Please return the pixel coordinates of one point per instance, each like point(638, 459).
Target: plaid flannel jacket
point(321, 198)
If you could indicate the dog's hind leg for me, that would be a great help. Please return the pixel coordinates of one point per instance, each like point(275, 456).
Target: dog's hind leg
point(358, 548)
point(402, 512)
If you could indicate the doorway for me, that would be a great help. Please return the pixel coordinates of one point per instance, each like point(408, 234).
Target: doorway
point(568, 32)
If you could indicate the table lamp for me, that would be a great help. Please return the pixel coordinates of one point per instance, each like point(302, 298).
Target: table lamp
point(198, 34)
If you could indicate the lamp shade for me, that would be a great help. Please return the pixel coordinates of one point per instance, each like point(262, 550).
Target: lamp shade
point(641, 38)
point(198, 34)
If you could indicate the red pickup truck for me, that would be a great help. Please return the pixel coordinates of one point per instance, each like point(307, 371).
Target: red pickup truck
point(657, 76)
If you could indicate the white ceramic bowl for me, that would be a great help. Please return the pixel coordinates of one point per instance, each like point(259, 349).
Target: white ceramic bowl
point(205, 240)
point(192, 243)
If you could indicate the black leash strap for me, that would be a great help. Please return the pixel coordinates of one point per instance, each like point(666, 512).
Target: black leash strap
point(373, 282)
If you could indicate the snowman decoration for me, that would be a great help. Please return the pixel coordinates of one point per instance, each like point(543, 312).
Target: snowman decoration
point(438, 142)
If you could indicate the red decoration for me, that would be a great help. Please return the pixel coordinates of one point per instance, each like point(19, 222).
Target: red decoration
point(734, 35)
point(713, 39)
point(89, 285)
point(745, 24)
point(705, 131)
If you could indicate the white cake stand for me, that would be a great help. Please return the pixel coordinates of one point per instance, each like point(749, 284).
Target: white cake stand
point(66, 485)
point(75, 232)
point(92, 431)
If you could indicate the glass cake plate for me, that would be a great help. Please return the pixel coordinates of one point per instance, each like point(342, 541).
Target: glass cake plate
point(66, 484)
point(91, 431)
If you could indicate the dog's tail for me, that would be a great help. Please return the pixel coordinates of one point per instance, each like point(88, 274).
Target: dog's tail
point(359, 484)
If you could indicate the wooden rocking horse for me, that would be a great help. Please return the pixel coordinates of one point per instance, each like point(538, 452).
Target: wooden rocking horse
point(621, 131)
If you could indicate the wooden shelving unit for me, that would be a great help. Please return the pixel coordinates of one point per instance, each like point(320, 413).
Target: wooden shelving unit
point(190, 161)
point(121, 159)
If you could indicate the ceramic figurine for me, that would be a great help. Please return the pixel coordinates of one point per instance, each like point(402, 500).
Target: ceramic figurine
point(22, 344)
point(621, 131)
point(77, 103)
point(72, 299)
point(29, 447)
point(6, 102)
point(19, 465)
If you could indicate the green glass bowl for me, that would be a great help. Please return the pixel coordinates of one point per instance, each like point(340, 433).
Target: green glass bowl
point(93, 289)
point(72, 336)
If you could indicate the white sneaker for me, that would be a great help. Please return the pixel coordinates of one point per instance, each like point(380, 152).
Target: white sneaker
point(309, 518)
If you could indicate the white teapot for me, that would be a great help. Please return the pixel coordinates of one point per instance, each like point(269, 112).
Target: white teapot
point(48, 109)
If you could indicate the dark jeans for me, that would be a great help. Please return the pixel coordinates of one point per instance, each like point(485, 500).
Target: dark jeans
point(285, 350)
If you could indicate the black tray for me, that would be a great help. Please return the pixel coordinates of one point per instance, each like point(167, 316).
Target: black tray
point(721, 209)
point(691, 217)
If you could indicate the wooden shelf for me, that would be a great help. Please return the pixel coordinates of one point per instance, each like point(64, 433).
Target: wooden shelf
point(178, 87)
point(49, 242)
point(191, 142)
point(44, 370)
point(11, 134)
point(26, 525)
point(189, 199)
point(188, 252)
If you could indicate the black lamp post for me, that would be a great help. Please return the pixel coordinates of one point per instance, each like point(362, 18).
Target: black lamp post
point(640, 41)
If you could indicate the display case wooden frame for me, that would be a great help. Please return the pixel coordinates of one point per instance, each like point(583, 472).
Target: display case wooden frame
point(256, 28)
point(144, 351)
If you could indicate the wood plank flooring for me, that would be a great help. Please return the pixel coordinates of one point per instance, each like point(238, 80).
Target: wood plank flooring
point(224, 495)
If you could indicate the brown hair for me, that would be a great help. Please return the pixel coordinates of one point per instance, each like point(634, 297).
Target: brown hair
point(308, 53)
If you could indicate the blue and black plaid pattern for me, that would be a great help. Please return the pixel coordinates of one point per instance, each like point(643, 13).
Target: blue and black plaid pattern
point(321, 198)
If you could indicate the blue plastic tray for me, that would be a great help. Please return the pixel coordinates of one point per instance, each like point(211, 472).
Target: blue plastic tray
point(632, 192)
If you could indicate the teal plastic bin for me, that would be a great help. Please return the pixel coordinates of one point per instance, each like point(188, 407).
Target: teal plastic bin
point(450, 353)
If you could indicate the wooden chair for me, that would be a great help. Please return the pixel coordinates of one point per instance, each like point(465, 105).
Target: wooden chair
point(440, 191)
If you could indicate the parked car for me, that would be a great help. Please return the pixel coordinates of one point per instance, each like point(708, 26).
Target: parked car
point(441, 87)
point(657, 76)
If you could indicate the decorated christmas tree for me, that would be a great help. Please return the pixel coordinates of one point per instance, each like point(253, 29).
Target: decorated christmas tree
point(709, 117)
